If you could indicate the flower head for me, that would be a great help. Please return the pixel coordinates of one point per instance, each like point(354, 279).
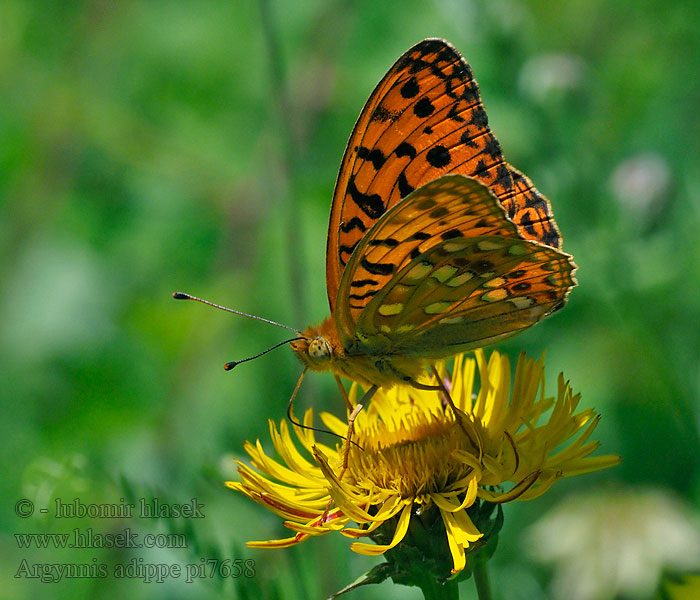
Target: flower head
point(416, 467)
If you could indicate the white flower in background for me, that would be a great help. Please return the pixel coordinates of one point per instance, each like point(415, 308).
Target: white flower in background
point(546, 73)
point(613, 544)
point(641, 183)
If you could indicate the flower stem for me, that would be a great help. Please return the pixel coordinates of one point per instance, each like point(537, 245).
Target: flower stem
point(481, 579)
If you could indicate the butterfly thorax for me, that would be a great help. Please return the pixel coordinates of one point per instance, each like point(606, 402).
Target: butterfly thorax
point(321, 350)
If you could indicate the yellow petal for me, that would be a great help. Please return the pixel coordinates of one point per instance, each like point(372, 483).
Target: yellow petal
point(399, 534)
point(514, 493)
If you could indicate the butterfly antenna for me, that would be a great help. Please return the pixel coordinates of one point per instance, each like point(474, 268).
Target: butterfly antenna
point(229, 365)
point(184, 296)
point(293, 420)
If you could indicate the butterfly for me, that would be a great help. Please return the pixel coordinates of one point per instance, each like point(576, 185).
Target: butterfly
point(436, 245)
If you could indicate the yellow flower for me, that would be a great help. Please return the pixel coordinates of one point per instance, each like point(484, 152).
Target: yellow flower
point(412, 458)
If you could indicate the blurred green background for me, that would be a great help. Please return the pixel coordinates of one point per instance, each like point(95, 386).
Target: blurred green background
point(149, 146)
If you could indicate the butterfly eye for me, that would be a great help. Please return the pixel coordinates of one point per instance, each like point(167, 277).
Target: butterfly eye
point(319, 348)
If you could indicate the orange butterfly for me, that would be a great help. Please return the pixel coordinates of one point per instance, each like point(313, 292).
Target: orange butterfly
point(436, 245)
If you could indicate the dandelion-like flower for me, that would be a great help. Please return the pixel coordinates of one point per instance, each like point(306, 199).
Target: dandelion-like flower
point(417, 473)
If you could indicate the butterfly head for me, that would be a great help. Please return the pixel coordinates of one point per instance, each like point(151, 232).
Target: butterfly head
point(316, 348)
point(320, 349)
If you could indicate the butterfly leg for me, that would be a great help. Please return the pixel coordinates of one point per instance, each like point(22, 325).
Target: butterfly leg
point(447, 397)
point(462, 420)
point(351, 427)
point(348, 439)
point(343, 393)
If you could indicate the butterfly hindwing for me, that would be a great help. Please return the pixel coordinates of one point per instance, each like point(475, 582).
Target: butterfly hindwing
point(452, 206)
point(423, 120)
point(464, 293)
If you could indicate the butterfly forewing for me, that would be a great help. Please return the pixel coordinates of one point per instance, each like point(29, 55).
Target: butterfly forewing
point(531, 210)
point(423, 120)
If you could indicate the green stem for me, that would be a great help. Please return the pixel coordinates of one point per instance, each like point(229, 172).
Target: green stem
point(432, 590)
point(481, 579)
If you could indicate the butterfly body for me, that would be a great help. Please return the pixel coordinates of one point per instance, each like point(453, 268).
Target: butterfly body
point(370, 364)
point(436, 245)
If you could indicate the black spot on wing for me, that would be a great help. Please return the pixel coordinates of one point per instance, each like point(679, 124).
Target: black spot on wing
point(480, 169)
point(417, 65)
point(479, 117)
point(504, 180)
point(362, 296)
point(551, 238)
point(383, 115)
point(423, 108)
point(492, 147)
point(425, 204)
point(347, 249)
point(533, 200)
point(471, 92)
point(405, 188)
point(420, 235)
point(527, 224)
point(454, 114)
point(438, 212)
point(461, 70)
point(452, 233)
point(370, 204)
point(405, 149)
point(410, 89)
point(377, 268)
point(388, 242)
point(363, 282)
point(446, 54)
point(438, 156)
point(433, 46)
point(467, 139)
point(455, 80)
point(518, 178)
point(375, 156)
point(354, 223)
